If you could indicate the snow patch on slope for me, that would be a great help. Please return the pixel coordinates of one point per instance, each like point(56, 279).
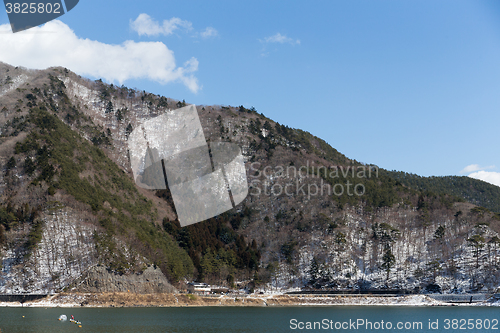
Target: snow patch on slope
point(66, 251)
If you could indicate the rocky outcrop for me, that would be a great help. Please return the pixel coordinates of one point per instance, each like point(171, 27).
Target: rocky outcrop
point(98, 279)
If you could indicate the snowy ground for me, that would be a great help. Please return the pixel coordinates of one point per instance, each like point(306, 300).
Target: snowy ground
point(76, 300)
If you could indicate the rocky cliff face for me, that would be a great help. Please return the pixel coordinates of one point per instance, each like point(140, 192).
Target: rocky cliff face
point(99, 279)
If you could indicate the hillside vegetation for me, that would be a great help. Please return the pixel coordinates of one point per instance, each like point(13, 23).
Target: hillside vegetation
point(472, 190)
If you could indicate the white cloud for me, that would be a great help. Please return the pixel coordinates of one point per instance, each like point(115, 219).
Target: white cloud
point(471, 168)
point(488, 176)
point(209, 32)
point(130, 60)
point(282, 39)
point(145, 25)
point(475, 167)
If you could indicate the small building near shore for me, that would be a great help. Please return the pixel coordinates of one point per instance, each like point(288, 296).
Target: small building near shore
point(199, 288)
point(220, 290)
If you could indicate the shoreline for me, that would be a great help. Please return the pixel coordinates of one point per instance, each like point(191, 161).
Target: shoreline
point(112, 300)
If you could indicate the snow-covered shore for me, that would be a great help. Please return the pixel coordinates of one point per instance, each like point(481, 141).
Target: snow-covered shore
point(181, 300)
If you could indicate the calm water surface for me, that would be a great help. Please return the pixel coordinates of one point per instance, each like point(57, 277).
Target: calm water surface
point(248, 319)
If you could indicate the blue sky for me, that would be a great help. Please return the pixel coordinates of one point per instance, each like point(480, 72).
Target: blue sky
point(407, 85)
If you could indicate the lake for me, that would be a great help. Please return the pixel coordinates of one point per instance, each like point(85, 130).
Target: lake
point(253, 319)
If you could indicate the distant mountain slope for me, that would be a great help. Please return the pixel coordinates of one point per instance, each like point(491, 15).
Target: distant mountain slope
point(472, 190)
